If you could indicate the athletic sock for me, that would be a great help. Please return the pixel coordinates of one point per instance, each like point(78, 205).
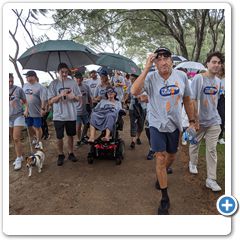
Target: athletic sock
point(164, 193)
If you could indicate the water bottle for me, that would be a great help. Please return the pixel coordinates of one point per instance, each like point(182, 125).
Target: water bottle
point(221, 92)
point(190, 136)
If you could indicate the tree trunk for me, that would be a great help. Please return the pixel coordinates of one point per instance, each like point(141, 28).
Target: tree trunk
point(199, 31)
point(18, 73)
point(223, 41)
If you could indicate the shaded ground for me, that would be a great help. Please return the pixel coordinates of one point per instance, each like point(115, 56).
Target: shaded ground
point(105, 188)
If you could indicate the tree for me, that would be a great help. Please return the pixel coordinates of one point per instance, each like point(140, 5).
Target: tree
point(129, 30)
point(216, 28)
point(25, 20)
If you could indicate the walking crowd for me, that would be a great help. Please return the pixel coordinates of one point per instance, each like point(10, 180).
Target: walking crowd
point(163, 100)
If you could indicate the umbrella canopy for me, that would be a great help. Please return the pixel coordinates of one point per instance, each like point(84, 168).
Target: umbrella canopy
point(177, 58)
point(118, 62)
point(191, 66)
point(47, 55)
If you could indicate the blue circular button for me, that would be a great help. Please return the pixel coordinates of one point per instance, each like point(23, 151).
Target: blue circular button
point(227, 205)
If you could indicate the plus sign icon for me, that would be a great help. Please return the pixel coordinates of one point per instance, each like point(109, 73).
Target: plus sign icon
point(227, 205)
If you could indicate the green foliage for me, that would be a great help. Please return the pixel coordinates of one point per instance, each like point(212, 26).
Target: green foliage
point(191, 33)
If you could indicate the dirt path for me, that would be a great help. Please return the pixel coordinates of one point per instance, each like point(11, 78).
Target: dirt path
point(105, 188)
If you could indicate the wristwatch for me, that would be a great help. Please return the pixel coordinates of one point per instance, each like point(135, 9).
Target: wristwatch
point(192, 121)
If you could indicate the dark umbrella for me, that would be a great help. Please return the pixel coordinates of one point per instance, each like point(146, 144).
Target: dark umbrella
point(47, 55)
point(118, 62)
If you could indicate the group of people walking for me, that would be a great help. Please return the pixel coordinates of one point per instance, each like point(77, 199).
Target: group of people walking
point(154, 99)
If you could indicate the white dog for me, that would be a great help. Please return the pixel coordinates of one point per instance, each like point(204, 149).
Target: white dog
point(36, 159)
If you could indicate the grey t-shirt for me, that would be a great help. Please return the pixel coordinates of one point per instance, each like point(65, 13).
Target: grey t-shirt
point(86, 95)
point(35, 94)
point(15, 104)
point(207, 91)
point(100, 91)
point(92, 84)
point(119, 89)
point(64, 109)
point(165, 99)
point(133, 100)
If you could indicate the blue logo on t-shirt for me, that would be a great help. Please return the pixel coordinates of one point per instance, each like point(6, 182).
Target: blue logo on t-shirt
point(169, 90)
point(210, 90)
point(29, 91)
point(66, 89)
point(93, 85)
point(103, 92)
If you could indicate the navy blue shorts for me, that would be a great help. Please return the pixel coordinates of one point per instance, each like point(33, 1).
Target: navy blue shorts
point(164, 141)
point(34, 121)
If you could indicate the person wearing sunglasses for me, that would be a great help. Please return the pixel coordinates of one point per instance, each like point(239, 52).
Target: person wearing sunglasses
point(104, 115)
point(167, 88)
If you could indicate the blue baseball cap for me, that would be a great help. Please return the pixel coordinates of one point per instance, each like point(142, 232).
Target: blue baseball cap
point(30, 74)
point(103, 72)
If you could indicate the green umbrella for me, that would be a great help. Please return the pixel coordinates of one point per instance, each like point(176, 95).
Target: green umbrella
point(118, 62)
point(47, 55)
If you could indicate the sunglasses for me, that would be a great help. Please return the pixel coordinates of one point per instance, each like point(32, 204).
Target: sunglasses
point(110, 91)
point(165, 55)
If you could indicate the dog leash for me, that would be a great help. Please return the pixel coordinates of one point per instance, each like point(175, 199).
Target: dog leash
point(29, 139)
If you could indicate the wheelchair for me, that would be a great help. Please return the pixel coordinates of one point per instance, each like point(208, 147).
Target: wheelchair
point(114, 148)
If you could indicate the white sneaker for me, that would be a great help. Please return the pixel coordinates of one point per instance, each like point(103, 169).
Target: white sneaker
point(16, 159)
point(192, 168)
point(212, 184)
point(184, 143)
point(18, 163)
point(221, 141)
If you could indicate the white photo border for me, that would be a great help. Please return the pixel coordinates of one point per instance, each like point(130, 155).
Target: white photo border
point(123, 224)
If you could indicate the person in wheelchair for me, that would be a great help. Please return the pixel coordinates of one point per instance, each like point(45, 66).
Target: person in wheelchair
point(105, 115)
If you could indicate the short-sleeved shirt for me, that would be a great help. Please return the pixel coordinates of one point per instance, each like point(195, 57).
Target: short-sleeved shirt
point(100, 91)
point(119, 89)
point(165, 99)
point(133, 101)
point(16, 96)
point(92, 84)
point(86, 95)
point(64, 109)
point(35, 94)
point(207, 91)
